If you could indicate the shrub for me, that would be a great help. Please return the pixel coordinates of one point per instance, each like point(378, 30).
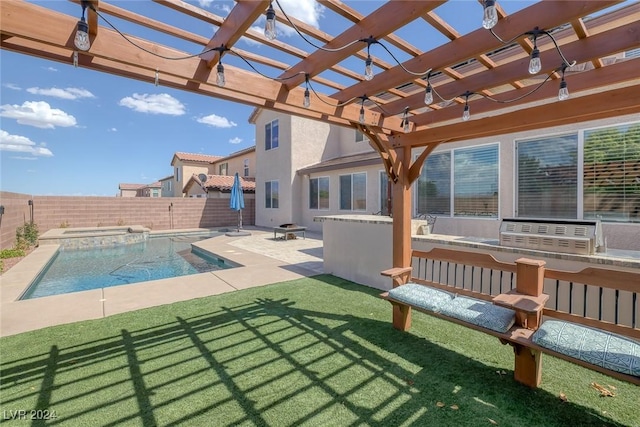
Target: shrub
point(120, 222)
point(64, 224)
point(27, 235)
point(11, 253)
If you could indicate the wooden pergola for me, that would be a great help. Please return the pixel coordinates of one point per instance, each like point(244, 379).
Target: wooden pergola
point(594, 33)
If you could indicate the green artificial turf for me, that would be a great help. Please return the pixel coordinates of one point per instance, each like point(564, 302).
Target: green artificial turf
point(318, 351)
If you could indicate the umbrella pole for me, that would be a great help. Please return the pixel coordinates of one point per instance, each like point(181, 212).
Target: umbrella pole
point(240, 221)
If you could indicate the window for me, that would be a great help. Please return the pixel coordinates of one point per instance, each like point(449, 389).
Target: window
point(353, 192)
point(271, 194)
point(612, 173)
point(475, 181)
point(434, 185)
point(547, 173)
point(177, 174)
point(246, 167)
point(169, 182)
point(271, 135)
point(359, 136)
point(223, 168)
point(319, 193)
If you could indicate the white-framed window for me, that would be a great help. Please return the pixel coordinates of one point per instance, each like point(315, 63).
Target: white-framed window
point(178, 174)
point(547, 177)
point(353, 192)
point(462, 182)
point(223, 168)
point(271, 135)
point(319, 193)
point(271, 194)
point(246, 167)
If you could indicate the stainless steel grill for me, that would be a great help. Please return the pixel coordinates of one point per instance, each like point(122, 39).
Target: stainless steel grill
point(552, 235)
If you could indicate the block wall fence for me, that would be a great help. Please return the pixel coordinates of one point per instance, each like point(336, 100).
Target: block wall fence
point(164, 213)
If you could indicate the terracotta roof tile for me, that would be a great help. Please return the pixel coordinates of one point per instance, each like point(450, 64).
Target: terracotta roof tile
point(225, 182)
point(192, 157)
point(124, 186)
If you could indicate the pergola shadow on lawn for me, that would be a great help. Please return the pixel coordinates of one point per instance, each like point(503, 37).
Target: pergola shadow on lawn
point(316, 351)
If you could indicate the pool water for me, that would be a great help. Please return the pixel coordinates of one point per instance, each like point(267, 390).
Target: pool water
point(156, 258)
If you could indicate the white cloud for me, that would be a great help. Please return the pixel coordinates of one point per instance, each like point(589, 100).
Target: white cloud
point(216, 121)
point(161, 103)
point(68, 93)
point(113, 130)
point(308, 11)
point(38, 114)
point(205, 3)
point(235, 140)
point(22, 144)
point(54, 70)
point(12, 86)
point(24, 158)
point(223, 7)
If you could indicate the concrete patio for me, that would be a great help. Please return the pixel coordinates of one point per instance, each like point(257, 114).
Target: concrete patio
point(263, 259)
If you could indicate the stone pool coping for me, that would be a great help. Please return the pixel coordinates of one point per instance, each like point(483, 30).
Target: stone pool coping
point(255, 269)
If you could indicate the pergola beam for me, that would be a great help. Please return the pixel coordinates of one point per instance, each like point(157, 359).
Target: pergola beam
point(547, 14)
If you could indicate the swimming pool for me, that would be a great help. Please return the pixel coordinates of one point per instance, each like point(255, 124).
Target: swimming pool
point(101, 267)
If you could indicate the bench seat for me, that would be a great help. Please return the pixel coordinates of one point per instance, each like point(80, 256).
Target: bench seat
point(594, 346)
point(474, 311)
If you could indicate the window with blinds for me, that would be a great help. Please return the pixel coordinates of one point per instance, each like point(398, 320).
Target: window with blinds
point(612, 173)
point(434, 185)
point(475, 181)
point(547, 172)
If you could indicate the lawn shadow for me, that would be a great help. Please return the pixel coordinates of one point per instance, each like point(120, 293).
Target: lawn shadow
point(277, 362)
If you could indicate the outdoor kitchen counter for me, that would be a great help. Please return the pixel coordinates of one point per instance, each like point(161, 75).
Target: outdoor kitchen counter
point(366, 235)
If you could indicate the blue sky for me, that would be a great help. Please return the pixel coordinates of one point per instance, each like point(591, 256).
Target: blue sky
point(72, 131)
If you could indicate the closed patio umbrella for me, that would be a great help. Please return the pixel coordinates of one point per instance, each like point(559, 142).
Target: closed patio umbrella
point(237, 199)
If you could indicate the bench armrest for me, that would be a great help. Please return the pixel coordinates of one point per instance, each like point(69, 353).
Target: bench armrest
point(396, 271)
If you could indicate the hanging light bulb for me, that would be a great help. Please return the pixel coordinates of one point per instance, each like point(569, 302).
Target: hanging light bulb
point(466, 115)
point(220, 80)
point(368, 68)
point(428, 95)
point(490, 15)
point(157, 77)
point(75, 58)
point(81, 40)
point(307, 99)
point(563, 93)
point(406, 126)
point(535, 65)
point(361, 118)
point(270, 25)
point(306, 103)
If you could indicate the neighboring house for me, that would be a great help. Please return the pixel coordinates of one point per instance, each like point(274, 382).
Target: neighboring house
point(217, 186)
point(167, 184)
point(582, 171)
point(150, 190)
point(243, 162)
point(140, 190)
point(129, 190)
point(187, 164)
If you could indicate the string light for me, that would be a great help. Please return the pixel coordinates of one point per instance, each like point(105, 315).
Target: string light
point(490, 15)
point(270, 25)
point(535, 65)
point(157, 77)
point(428, 93)
point(220, 80)
point(307, 99)
point(81, 40)
point(466, 115)
point(75, 58)
point(361, 118)
point(563, 92)
point(406, 126)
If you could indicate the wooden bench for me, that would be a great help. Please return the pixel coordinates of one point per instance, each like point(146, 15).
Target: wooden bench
point(286, 230)
point(482, 283)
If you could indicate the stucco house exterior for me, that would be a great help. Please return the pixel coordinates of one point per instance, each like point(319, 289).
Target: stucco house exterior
point(586, 171)
point(217, 186)
point(186, 165)
point(140, 190)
